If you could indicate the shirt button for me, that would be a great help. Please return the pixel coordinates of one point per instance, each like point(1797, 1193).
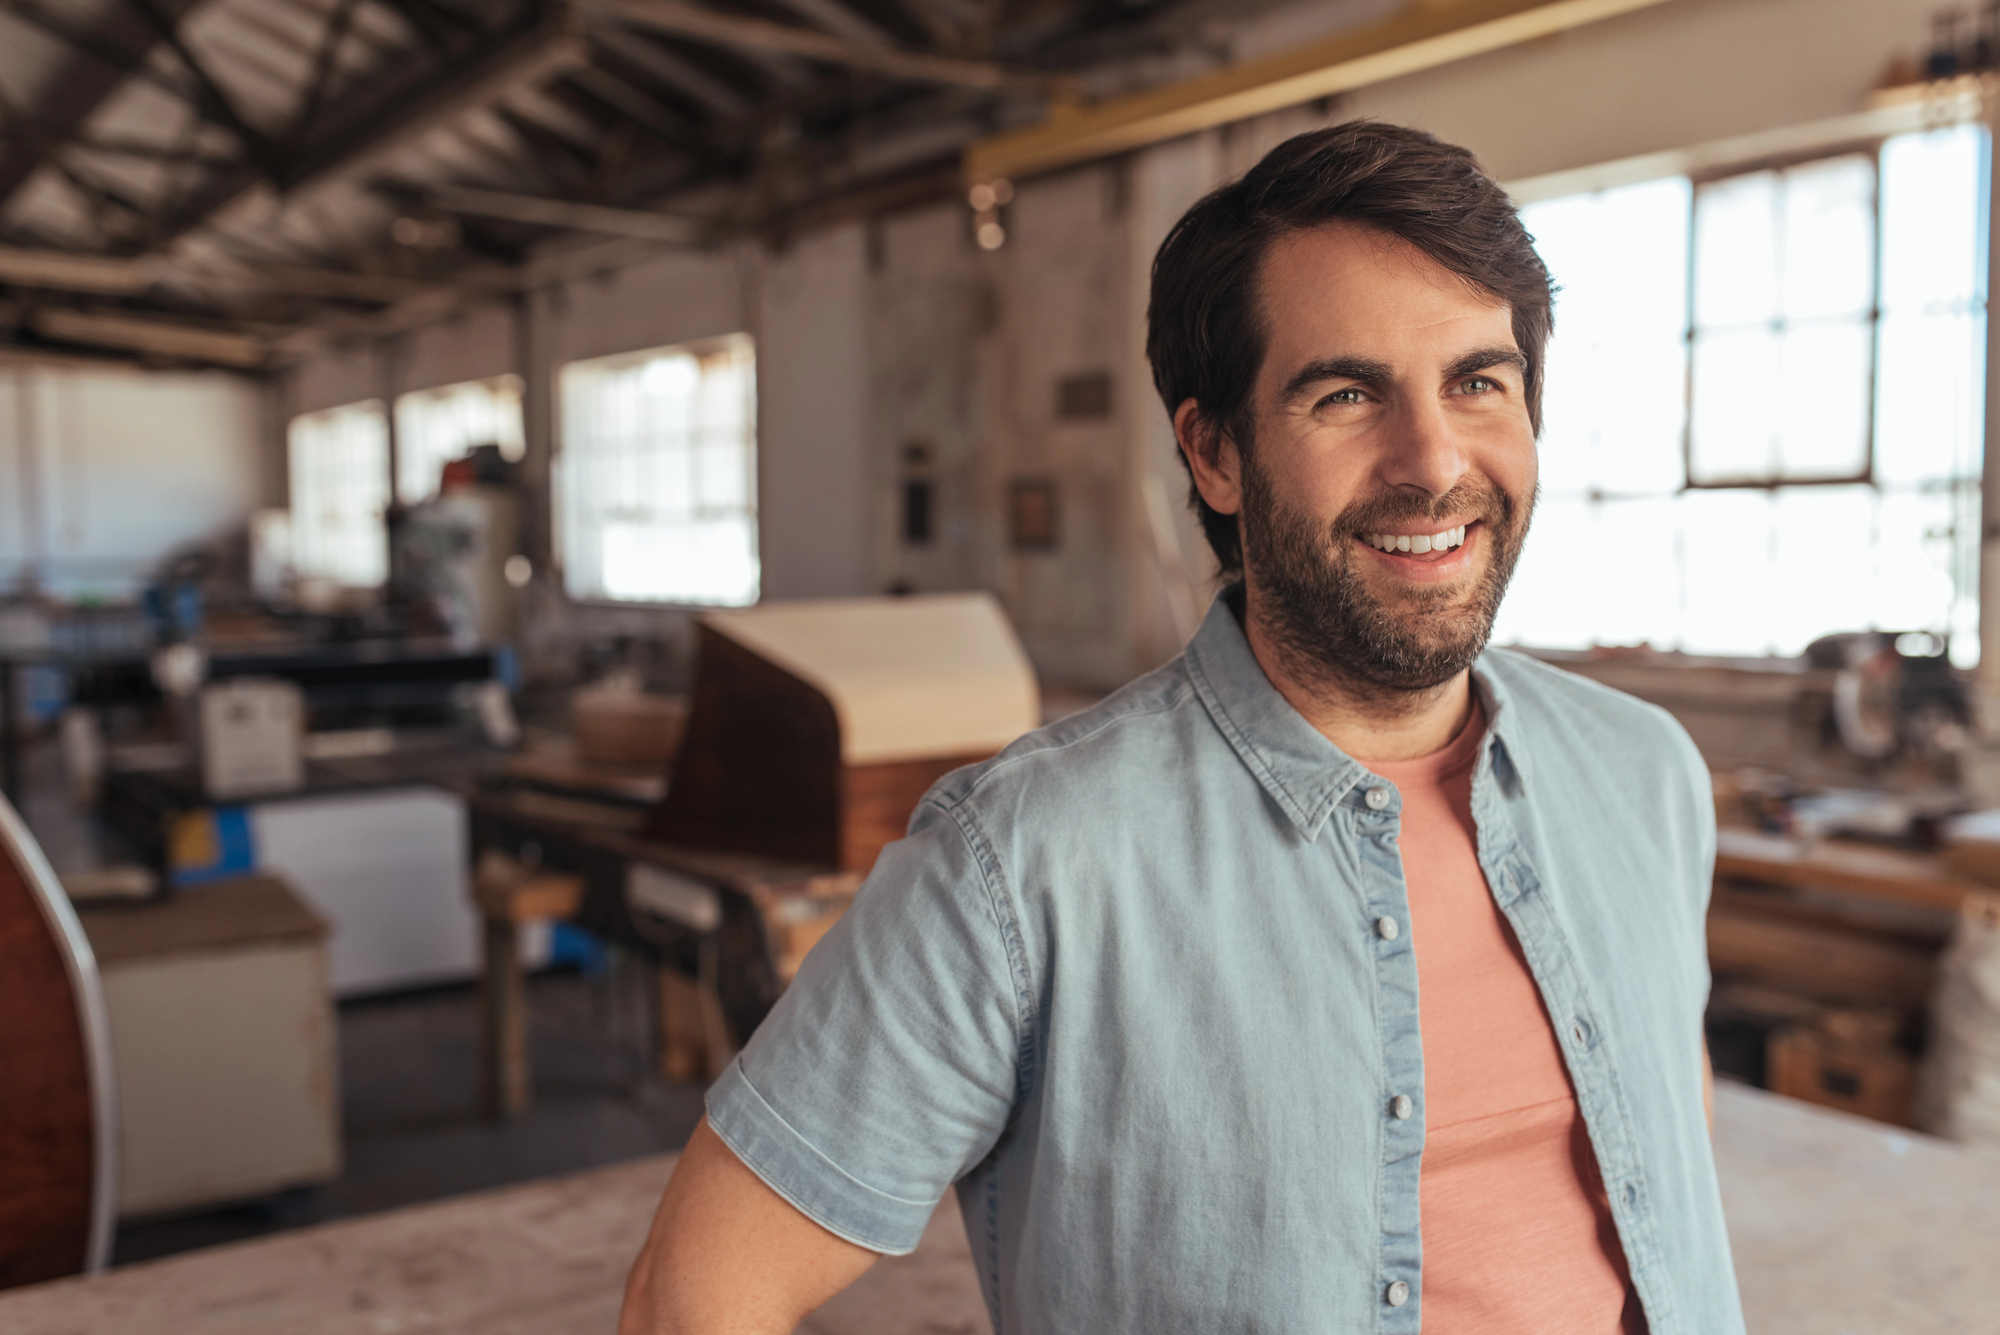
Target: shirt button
point(1387, 929)
point(1397, 1294)
point(1376, 798)
point(1402, 1106)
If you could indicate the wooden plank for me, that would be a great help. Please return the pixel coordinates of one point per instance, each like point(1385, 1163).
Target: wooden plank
point(547, 1258)
point(1819, 961)
point(1901, 876)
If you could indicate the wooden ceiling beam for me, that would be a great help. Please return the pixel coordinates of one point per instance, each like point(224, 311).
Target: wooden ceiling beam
point(106, 275)
point(1421, 37)
point(388, 120)
point(101, 59)
point(153, 337)
point(760, 35)
point(603, 218)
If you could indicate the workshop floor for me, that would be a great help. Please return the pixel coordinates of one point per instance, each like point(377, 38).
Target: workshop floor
point(409, 1079)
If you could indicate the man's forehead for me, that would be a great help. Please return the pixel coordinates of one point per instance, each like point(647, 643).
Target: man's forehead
point(1345, 251)
point(1347, 291)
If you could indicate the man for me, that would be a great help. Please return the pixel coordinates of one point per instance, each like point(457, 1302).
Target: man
point(1334, 977)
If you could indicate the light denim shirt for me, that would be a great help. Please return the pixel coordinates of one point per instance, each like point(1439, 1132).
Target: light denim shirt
point(1143, 986)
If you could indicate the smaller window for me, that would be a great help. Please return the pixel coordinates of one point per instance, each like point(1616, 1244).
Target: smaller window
point(656, 477)
point(436, 426)
point(339, 489)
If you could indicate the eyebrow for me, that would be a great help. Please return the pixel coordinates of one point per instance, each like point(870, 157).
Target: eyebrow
point(1363, 370)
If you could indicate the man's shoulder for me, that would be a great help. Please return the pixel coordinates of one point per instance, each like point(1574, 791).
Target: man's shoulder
point(1145, 723)
point(1554, 707)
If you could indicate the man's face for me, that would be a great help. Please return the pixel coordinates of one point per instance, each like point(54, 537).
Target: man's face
point(1391, 474)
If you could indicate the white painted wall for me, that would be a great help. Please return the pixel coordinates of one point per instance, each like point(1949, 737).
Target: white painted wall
point(816, 483)
point(104, 470)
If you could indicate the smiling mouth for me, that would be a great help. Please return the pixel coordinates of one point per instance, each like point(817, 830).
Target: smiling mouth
point(1417, 544)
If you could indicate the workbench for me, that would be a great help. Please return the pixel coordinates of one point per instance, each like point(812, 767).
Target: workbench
point(1837, 1224)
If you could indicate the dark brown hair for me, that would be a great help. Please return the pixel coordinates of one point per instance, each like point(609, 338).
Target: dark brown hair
point(1205, 333)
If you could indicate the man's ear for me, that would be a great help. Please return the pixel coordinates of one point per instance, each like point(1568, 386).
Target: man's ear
point(1212, 457)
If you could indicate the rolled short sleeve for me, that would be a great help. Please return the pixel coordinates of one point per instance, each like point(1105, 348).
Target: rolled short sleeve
point(890, 1066)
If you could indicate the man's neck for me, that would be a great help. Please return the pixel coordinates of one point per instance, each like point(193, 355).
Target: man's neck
point(1366, 721)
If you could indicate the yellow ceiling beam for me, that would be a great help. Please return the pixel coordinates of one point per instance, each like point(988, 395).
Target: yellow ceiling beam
point(1422, 37)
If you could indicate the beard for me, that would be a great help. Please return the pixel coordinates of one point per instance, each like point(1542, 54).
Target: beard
point(1320, 612)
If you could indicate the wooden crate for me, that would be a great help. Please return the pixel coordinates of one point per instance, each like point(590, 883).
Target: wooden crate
point(1852, 1067)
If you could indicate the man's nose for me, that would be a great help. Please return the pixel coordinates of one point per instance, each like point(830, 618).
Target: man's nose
point(1422, 451)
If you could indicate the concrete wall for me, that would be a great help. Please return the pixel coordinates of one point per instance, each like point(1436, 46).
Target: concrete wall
point(898, 335)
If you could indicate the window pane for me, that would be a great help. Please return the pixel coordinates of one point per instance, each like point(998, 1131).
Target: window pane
point(1615, 393)
point(339, 488)
point(1933, 212)
point(656, 475)
point(1927, 400)
point(1735, 416)
point(1823, 541)
point(1823, 400)
point(1548, 604)
point(1727, 545)
point(1828, 247)
point(436, 426)
point(1736, 249)
point(1915, 585)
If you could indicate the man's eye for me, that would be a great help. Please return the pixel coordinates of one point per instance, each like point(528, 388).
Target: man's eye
point(1349, 395)
point(1478, 384)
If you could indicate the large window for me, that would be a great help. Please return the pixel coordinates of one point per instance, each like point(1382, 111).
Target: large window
point(435, 426)
point(1764, 406)
point(656, 497)
point(340, 487)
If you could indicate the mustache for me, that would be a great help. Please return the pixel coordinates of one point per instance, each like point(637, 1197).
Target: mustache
point(1471, 500)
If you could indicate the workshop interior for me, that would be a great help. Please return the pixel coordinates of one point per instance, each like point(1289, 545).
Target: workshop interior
point(506, 506)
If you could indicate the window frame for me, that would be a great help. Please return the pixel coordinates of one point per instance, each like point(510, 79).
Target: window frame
point(1699, 180)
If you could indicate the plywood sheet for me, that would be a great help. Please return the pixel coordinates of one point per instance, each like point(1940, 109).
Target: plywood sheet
point(909, 678)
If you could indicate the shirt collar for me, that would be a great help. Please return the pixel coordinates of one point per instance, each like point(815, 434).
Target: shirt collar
point(1303, 772)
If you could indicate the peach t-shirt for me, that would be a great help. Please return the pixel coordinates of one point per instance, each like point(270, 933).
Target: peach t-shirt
point(1517, 1228)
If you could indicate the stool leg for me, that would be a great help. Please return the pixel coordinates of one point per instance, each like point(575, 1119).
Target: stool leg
point(683, 1050)
point(503, 1013)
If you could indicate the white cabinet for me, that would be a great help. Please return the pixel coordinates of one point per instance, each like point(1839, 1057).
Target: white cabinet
point(222, 1038)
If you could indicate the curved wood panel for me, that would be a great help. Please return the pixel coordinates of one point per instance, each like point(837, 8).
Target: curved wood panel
point(51, 1193)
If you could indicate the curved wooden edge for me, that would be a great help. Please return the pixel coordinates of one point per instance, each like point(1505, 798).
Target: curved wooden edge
point(81, 964)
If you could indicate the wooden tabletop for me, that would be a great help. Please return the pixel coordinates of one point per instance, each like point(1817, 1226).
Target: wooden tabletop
point(1837, 1225)
point(1845, 1225)
point(546, 1258)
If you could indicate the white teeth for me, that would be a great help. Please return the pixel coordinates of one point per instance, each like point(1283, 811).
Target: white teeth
point(1418, 543)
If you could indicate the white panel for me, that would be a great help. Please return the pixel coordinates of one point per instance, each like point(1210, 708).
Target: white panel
point(140, 463)
point(388, 870)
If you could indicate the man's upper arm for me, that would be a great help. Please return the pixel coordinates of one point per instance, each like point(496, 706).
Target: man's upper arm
point(726, 1253)
point(889, 1067)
